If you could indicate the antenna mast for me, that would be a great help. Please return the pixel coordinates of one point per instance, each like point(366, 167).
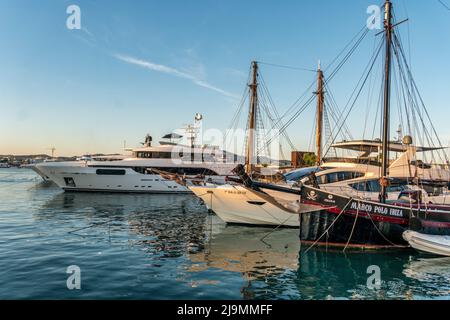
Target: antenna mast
point(53, 149)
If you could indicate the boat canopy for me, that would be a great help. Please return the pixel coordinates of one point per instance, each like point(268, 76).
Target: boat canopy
point(172, 136)
point(369, 146)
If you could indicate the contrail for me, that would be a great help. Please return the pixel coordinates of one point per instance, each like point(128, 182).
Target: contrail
point(172, 71)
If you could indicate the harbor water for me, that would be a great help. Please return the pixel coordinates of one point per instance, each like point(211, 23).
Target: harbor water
point(141, 246)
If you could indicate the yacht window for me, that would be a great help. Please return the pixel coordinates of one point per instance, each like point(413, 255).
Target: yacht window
point(367, 186)
point(154, 155)
point(162, 155)
point(177, 170)
point(197, 157)
point(353, 175)
point(374, 186)
point(360, 186)
point(432, 190)
point(142, 154)
point(395, 188)
point(332, 177)
point(322, 179)
point(339, 176)
point(188, 171)
point(111, 172)
point(140, 170)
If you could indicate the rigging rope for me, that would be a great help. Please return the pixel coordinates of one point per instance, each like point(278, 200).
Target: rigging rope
point(285, 67)
point(414, 92)
point(362, 81)
point(330, 226)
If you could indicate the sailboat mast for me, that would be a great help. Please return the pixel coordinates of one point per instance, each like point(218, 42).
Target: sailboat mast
point(319, 125)
point(387, 96)
point(252, 121)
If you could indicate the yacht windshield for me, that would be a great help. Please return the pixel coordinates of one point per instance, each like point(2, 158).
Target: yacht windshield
point(299, 174)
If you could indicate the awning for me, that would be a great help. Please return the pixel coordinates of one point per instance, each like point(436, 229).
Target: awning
point(369, 146)
point(172, 136)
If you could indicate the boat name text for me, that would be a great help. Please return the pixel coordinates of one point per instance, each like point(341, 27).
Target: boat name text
point(376, 209)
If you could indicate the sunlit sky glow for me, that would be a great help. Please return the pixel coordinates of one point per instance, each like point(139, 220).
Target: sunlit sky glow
point(139, 67)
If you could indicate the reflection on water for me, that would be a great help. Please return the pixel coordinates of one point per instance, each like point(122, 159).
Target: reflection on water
point(169, 247)
point(167, 224)
point(260, 255)
point(256, 252)
point(432, 275)
point(328, 274)
point(422, 268)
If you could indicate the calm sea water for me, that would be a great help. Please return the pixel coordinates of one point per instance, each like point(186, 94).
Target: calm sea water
point(169, 247)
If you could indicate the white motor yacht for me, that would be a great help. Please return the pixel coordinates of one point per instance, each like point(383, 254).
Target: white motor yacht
point(144, 171)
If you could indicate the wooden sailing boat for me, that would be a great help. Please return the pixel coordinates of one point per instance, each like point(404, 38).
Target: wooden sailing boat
point(238, 204)
point(351, 222)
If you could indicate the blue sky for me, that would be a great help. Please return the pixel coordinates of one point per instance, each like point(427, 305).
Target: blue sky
point(140, 67)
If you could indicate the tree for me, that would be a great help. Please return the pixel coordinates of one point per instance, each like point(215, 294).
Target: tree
point(309, 159)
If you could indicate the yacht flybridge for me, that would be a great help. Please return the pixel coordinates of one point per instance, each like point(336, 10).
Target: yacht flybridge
point(144, 171)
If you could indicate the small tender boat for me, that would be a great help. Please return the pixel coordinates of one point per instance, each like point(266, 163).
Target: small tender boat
point(428, 243)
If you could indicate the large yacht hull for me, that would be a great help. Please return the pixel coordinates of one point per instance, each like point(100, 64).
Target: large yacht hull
point(241, 205)
point(38, 171)
point(78, 177)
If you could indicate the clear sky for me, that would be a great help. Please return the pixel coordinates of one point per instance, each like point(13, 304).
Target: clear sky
point(139, 67)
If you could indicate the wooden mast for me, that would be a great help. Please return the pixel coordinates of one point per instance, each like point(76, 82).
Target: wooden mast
point(387, 96)
point(252, 121)
point(319, 124)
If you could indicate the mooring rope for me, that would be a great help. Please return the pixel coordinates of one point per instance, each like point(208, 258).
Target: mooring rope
point(90, 226)
point(353, 228)
point(332, 224)
point(272, 231)
point(378, 230)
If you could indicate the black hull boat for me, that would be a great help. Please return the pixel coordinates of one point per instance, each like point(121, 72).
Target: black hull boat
point(345, 221)
point(321, 228)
